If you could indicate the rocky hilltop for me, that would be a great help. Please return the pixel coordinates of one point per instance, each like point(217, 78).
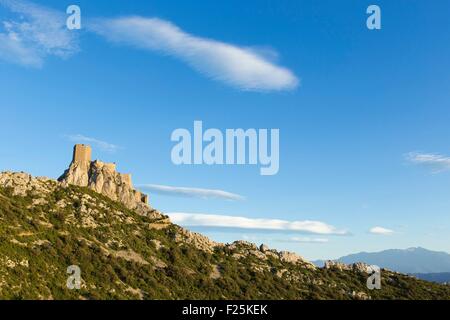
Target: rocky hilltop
point(127, 250)
point(103, 178)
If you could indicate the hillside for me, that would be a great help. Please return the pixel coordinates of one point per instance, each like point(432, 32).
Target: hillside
point(46, 226)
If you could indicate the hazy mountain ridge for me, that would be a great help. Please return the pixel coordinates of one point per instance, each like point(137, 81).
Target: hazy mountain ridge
point(441, 277)
point(412, 260)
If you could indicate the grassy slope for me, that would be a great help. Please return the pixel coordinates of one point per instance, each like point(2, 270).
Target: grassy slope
point(39, 241)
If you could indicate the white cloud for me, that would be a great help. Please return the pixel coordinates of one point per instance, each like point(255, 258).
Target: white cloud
point(13, 50)
point(258, 238)
point(437, 162)
point(192, 192)
point(240, 67)
point(211, 220)
point(381, 231)
point(35, 33)
point(305, 240)
point(105, 146)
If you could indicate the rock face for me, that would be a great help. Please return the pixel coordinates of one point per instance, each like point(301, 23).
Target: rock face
point(290, 257)
point(358, 267)
point(103, 178)
point(241, 249)
point(198, 240)
point(22, 183)
point(330, 264)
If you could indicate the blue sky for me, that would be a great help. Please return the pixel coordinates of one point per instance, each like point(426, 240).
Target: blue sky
point(363, 115)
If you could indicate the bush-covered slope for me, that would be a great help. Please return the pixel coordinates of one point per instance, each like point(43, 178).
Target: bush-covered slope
point(122, 255)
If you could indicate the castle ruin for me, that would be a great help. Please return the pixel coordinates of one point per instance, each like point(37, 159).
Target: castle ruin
point(81, 153)
point(103, 178)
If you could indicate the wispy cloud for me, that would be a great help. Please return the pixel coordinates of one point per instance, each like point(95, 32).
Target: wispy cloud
point(240, 67)
point(304, 240)
point(192, 192)
point(266, 239)
point(381, 231)
point(13, 50)
point(223, 221)
point(34, 33)
point(438, 163)
point(102, 145)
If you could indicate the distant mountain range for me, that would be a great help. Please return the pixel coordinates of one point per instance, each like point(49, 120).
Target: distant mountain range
point(423, 263)
point(442, 277)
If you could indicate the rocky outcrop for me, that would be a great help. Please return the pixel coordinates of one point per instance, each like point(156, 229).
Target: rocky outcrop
point(22, 184)
point(357, 267)
point(241, 249)
point(362, 267)
point(336, 265)
point(195, 239)
point(104, 179)
point(360, 295)
point(290, 257)
point(293, 258)
point(77, 174)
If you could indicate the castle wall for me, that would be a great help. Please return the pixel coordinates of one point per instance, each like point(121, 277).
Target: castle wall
point(126, 178)
point(140, 197)
point(81, 153)
point(100, 165)
point(111, 167)
point(144, 198)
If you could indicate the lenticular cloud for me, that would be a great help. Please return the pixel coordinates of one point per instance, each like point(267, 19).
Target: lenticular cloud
point(236, 66)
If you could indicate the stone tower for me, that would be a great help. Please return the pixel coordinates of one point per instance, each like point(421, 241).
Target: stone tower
point(81, 153)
